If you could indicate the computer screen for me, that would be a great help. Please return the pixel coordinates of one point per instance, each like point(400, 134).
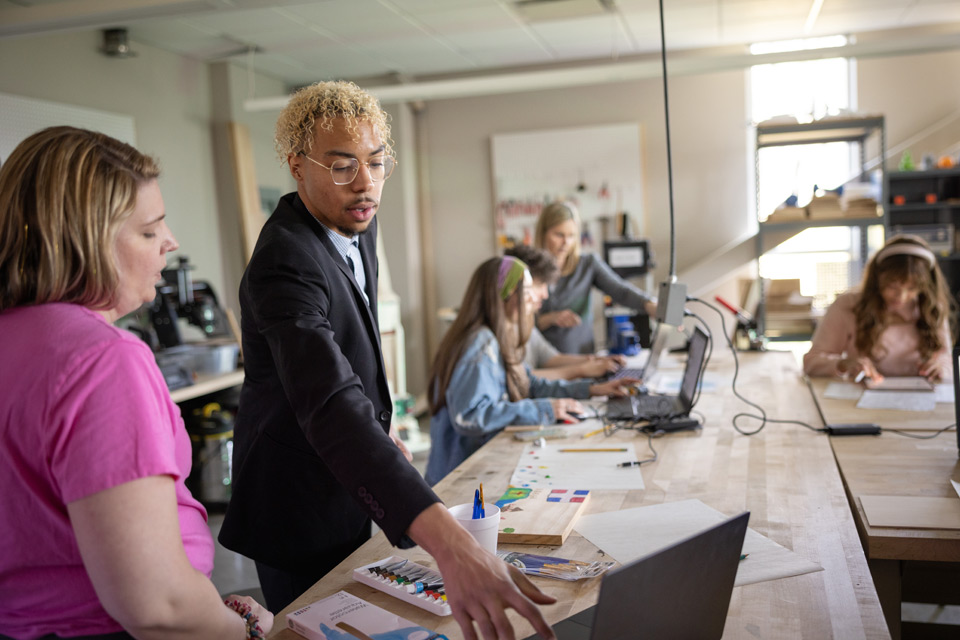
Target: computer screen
point(956, 391)
point(627, 257)
point(696, 352)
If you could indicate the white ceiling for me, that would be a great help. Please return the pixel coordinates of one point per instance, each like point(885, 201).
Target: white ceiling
point(301, 42)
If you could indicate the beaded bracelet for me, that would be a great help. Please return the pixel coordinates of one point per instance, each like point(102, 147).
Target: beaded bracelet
point(254, 632)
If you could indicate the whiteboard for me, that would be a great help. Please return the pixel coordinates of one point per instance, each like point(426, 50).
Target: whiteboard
point(597, 168)
point(21, 117)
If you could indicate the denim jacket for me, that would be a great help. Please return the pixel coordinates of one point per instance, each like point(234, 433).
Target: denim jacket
point(478, 405)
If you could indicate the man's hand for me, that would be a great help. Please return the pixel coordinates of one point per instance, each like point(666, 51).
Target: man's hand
point(563, 408)
point(479, 586)
point(614, 388)
point(599, 366)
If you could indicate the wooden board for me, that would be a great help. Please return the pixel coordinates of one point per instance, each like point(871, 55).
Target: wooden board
point(539, 516)
point(912, 512)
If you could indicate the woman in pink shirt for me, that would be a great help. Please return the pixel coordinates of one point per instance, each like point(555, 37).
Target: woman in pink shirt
point(896, 324)
point(99, 536)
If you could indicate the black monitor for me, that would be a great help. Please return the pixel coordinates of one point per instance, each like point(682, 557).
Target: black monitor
point(956, 391)
point(628, 257)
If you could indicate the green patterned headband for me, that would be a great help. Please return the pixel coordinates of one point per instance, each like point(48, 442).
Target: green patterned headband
point(510, 275)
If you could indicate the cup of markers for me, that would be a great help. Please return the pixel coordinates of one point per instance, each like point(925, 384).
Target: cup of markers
point(481, 519)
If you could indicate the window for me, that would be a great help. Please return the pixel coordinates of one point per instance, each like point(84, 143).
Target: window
point(826, 260)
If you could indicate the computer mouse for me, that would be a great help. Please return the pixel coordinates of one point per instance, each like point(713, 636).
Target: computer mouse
point(573, 418)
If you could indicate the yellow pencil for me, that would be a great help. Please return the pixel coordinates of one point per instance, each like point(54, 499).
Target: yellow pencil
point(589, 450)
point(592, 433)
point(483, 512)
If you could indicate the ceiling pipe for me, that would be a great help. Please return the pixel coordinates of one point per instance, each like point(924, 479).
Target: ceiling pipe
point(622, 71)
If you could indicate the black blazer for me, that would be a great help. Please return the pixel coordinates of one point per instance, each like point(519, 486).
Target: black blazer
point(312, 461)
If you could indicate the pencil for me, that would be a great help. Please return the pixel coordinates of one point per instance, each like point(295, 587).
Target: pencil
point(591, 450)
point(592, 433)
point(483, 510)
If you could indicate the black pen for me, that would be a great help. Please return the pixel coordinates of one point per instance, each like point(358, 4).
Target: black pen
point(632, 463)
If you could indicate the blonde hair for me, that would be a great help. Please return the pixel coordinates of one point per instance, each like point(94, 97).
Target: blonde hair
point(321, 103)
point(64, 192)
point(553, 214)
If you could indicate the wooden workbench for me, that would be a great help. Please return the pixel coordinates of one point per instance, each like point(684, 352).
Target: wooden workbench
point(893, 465)
point(785, 476)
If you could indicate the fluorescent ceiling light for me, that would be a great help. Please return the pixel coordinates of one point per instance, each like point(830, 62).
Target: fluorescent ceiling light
point(813, 15)
point(801, 44)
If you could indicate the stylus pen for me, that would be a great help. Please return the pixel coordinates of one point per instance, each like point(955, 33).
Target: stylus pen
point(860, 376)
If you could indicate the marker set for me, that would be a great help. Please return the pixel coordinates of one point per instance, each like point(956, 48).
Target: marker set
point(406, 580)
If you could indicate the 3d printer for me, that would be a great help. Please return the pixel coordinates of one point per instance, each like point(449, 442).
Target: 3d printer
point(180, 296)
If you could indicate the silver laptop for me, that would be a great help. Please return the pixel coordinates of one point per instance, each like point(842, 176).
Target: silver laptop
point(661, 334)
point(654, 407)
point(682, 591)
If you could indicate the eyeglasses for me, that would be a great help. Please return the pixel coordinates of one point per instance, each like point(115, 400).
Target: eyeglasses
point(345, 170)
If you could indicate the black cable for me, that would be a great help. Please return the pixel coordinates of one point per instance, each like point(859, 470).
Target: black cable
point(907, 434)
point(733, 385)
point(666, 110)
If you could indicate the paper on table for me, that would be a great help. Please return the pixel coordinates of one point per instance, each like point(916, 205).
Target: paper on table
point(944, 393)
point(843, 391)
point(956, 487)
point(633, 533)
point(899, 400)
point(550, 467)
point(912, 512)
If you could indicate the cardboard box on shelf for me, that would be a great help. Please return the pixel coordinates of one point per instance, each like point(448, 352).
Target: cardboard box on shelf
point(787, 214)
point(825, 206)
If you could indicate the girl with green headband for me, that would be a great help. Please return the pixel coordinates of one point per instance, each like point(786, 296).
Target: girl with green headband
point(479, 383)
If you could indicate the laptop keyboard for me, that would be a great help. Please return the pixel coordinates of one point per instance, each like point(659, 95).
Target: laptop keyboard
point(627, 373)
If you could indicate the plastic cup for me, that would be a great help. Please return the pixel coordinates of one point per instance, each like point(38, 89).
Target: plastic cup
point(484, 530)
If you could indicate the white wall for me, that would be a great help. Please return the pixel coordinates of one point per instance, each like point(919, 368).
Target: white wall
point(174, 102)
point(167, 95)
point(913, 93)
point(708, 126)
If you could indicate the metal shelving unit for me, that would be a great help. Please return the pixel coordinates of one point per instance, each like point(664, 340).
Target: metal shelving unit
point(856, 130)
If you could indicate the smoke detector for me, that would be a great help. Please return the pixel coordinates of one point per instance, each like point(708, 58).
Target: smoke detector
point(116, 44)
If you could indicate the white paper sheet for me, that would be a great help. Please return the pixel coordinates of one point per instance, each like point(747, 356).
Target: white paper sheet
point(550, 467)
point(633, 533)
point(956, 487)
point(944, 393)
point(843, 391)
point(899, 400)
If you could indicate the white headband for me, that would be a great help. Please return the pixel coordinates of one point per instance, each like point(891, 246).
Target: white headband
point(904, 248)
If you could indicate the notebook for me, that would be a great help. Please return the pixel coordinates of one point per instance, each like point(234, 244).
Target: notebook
point(650, 406)
point(653, 360)
point(682, 591)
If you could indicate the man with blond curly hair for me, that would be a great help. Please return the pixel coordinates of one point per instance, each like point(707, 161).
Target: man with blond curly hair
point(314, 460)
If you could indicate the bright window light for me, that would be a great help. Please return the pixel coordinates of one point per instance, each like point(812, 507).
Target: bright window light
point(801, 44)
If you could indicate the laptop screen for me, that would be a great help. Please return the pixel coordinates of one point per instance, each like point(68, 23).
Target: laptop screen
point(956, 391)
point(696, 352)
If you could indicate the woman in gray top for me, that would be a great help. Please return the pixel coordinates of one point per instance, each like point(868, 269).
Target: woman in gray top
point(566, 317)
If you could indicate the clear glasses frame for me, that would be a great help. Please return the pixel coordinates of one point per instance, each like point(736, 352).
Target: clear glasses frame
point(344, 170)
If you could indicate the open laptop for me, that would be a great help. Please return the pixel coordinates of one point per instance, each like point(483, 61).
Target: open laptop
point(682, 591)
point(661, 334)
point(650, 406)
point(956, 390)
